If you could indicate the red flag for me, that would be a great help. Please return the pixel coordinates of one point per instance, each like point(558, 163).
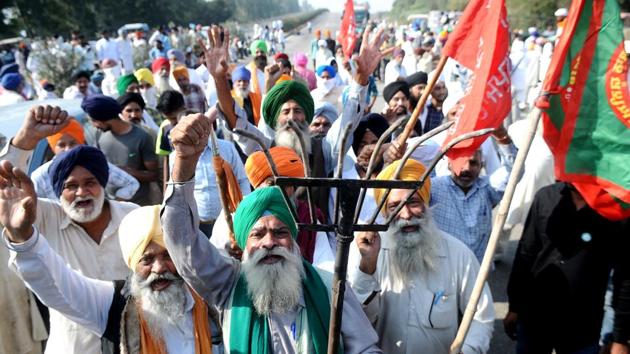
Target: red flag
point(347, 35)
point(480, 43)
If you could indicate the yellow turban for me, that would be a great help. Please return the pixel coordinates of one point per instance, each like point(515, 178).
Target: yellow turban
point(145, 75)
point(137, 229)
point(412, 171)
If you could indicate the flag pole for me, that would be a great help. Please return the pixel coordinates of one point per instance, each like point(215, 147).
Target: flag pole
point(411, 123)
point(504, 207)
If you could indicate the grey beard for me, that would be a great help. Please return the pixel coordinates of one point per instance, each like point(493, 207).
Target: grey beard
point(274, 288)
point(414, 252)
point(286, 137)
point(242, 93)
point(159, 307)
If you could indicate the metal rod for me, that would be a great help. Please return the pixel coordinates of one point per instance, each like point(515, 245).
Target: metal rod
point(430, 168)
point(272, 165)
point(370, 169)
point(348, 197)
point(426, 136)
point(307, 169)
point(499, 221)
point(340, 160)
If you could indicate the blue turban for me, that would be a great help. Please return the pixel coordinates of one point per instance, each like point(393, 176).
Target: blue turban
point(330, 69)
point(177, 55)
point(11, 81)
point(101, 107)
point(88, 157)
point(8, 69)
point(327, 110)
point(241, 74)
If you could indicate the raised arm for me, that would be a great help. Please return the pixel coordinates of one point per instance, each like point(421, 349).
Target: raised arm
point(83, 300)
point(40, 122)
point(209, 273)
point(367, 61)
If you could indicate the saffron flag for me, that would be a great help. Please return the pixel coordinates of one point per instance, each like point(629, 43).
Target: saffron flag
point(347, 35)
point(587, 114)
point(480, 43)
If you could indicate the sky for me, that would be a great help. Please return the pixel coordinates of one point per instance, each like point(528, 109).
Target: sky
point(337, 5)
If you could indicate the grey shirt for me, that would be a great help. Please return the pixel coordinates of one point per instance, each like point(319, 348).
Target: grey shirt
point(214, 276)
point(131, 150)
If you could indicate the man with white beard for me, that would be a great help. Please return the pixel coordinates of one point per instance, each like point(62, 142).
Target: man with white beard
point(153, 312)
point(161, 71)
point(275, 301)
point(414, 280)
point(83, 229)
point(291, 101)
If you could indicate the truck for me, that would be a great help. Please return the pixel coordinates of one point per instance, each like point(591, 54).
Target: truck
point(361, 15)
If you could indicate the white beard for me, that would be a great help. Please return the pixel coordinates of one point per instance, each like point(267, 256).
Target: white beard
point(287, 138)
point(242, 93)
point(274, 287)
point(161, 84)
point(414, 252)
point(160, 308)
point(83, 215)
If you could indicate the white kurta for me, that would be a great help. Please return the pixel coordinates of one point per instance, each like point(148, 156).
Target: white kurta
point(423, 316)
point(103, 261)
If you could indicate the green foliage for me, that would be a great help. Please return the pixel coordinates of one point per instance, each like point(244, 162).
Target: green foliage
point(58, 64)
point(48, 17)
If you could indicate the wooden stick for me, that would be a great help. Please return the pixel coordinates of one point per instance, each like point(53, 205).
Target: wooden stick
point(223, 188)
point(411, 123)
point(504, 207)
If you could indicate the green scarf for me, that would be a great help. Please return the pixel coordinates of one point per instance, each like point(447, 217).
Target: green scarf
point(249, 332)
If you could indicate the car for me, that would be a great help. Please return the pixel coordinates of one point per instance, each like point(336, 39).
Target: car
point(12, 116)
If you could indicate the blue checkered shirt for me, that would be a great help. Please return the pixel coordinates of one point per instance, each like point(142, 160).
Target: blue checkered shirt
point(468, 216)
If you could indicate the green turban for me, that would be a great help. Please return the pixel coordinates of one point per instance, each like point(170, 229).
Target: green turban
point(280, 94)
point(252, 208)
point(258, 44)
point(124, 82)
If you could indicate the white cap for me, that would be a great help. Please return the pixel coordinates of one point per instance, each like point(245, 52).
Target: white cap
point(532, 30)
point(321, 43)
point(561, 12)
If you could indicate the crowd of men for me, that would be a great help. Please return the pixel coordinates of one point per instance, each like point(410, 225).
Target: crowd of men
point(123, 237)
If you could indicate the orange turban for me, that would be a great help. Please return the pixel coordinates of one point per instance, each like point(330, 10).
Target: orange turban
point(287, 161)
point(284, 77)
point(180, 71)
point(412, 171)
point(74, 129)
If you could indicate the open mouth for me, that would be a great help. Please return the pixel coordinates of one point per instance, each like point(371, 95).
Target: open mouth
point(270, 259)
point(83, 204)
point(409, 228)
point(160, 284)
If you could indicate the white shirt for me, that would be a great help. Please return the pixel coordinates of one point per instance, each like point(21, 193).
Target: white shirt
point(81, 299)
point(422, 317)
point(101, 261)
point(107, 49)
point(393, 71)
point(8, 97)
point(125, 50)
